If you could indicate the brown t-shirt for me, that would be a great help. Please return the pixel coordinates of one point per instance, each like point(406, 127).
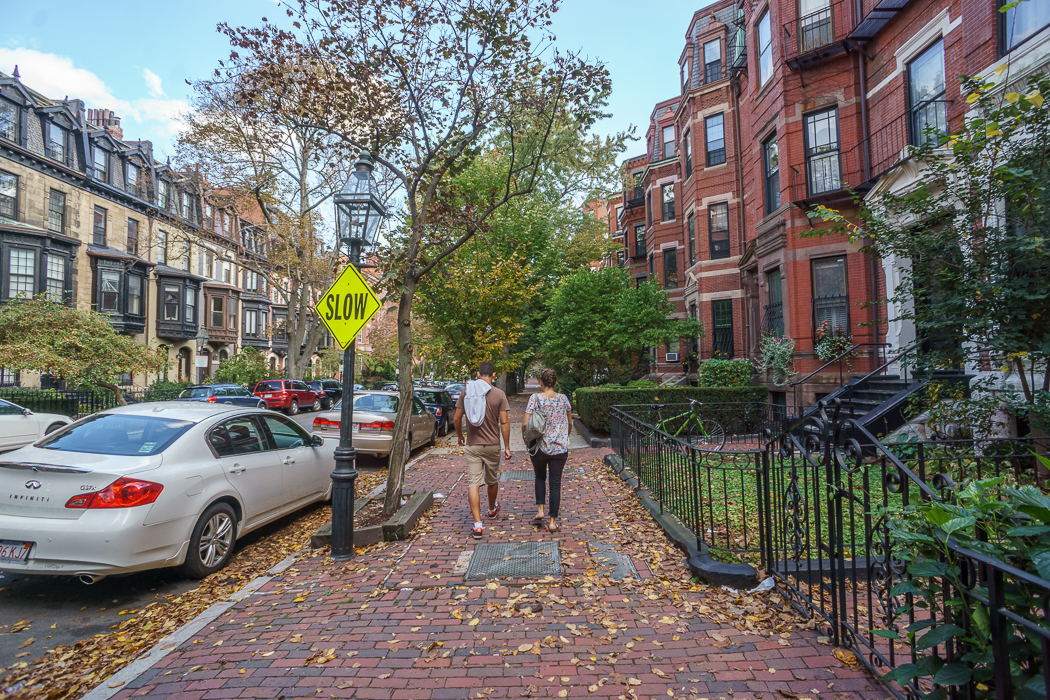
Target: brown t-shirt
point(488, 433)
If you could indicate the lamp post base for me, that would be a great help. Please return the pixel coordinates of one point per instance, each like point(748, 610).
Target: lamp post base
point(343, 479)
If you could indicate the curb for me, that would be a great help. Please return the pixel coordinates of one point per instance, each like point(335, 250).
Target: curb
point(168, 644)
point(698, 554)
point(587, 435)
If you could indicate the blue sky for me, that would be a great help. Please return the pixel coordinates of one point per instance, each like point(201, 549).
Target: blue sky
point(134, 57)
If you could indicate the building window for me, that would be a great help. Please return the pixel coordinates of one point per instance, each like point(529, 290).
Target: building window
point(667, 201)
point(227, 224)
point(648, 209)
point(135, 295)
point(639, 241)
point(639, 187)
point(98, 227)
point(55, 282)
point(133, 236)
point(101, 160)
point(21, 277)
point(184, 205)
point(8, 195)
point(671, 268)
point(162, 247)
point(227, 272)
point(184, 257)
point(163, 194)
point(691, 228)
point(1020, 22)
point(830, 300)
point(687, 153)
point(109, 291)
point(765, 49)
point(652, 265)
point(814, 25)
point(822, 152)
point(218, 311)
point(714, 127)
point(774, 310)
point(713, 61)
point(56, 212)
point(56, 142)
point(209, 217)
point(191, 305)
point(231, 314)
point(250, 320)
point(171, 302)
point(771, 166)
point(668, 141)
point(929, 111)
point(9, 121)
point(133, 184)
point(8, 377)
point(722, 324)
point(718, 229)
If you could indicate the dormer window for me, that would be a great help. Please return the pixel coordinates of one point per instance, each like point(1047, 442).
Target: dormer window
point(101, 160)
point(184, 204)
point(9, 120)
point(713, 61)
point(134, 186)
point(163, 194)
point(56, 142)
point(668, 141)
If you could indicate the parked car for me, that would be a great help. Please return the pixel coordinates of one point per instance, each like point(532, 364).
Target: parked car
point(390, 386)
point(440, 403)
point(329, 390)
point(454, 390)
point(372, 431)
point(154, 485)
point(20, 426)
point(231, 394)
point(288, 395)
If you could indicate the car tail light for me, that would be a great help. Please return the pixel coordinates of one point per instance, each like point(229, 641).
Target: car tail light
point(211, 399)
point(320, 422)
point(122, 493)
point(380, 424)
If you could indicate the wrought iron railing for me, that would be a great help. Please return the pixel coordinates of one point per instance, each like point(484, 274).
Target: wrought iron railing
point(818, 30)
point(773, 318)
point(69, 402)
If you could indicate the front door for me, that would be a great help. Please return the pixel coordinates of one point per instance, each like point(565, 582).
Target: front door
point(251, 467)
point(306, 475)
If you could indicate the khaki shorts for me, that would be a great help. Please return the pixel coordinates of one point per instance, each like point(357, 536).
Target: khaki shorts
point(482, 465)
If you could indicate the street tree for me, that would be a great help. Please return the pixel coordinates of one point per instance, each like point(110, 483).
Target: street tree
point(78, 345)
point(246, 367)
point(426, 85)
point(599, 325)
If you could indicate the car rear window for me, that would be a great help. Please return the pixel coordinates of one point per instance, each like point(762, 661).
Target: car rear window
point(119, 434)
point(429, 396)
point(269, 386)
point(199, 392)
point(379, 403)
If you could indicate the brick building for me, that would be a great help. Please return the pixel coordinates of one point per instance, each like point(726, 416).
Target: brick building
point(783, 106)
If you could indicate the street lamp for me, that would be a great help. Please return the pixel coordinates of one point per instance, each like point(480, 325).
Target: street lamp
point(358, 211)
point(202, 346)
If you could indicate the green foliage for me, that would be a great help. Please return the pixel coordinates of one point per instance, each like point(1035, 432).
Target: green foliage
point(1011, 525)
point(53, 401)
point(164, 390)
point(725, 373)
point(245, 368)
point(80, 346)
point(593, 403)
point(831, 342)
point(777, 358)
point(600, 324)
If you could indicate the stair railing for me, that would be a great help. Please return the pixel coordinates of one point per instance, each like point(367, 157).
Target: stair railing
point(878, 347)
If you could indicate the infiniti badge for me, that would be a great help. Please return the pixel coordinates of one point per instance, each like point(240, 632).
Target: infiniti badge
point(33, 484)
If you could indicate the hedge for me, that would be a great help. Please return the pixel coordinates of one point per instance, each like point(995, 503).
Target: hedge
point(722, 373)
point(592, 403)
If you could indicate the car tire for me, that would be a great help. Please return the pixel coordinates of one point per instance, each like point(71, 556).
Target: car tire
point(443, 429)
point(212, 542)
point(53, 427)
point(326, 404)
point(293, 408)
point(317, 405)
point(261, 404)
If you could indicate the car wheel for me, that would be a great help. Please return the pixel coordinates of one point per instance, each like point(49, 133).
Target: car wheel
point(293, 408)
point(211, 544)
point(326, 404)
point(443, 429)
point(317, 405)
point(261, 404)
point(53, 427)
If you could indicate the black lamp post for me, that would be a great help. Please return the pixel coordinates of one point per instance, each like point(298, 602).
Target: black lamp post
point(358, 212)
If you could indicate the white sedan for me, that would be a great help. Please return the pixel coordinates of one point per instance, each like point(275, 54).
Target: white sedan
point(154, 485)
point(20, 426)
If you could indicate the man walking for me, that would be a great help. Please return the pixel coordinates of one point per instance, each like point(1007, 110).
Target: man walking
point(486, 409)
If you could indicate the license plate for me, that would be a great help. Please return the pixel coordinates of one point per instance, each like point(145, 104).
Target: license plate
point(14, 552)
point(369, 429)
point(267, 396)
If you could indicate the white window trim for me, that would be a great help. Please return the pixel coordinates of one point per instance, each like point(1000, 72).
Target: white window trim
point(937, 28)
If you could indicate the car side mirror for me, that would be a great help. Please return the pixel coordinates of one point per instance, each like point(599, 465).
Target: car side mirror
point(26, 412)
point(316, 441)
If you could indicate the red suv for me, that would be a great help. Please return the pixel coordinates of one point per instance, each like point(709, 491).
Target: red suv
point(288, 395)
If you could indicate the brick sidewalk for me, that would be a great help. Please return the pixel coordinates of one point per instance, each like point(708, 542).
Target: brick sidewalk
point(400, 621)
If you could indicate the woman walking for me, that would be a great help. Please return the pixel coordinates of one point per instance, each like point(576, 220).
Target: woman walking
point(553, 448)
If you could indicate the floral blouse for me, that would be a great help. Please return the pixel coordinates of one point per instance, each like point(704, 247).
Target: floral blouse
point(555, 439)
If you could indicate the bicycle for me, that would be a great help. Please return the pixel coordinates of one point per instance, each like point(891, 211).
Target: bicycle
point(704, 433)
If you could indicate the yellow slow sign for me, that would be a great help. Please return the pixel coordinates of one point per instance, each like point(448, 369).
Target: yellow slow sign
point(347, 306)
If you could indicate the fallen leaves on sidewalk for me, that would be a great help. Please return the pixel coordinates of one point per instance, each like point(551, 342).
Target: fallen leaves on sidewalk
point(67, 672)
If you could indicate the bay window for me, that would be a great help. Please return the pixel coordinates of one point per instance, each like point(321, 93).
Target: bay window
point(670, 268)
point(171, 296)
point(691, 228)
point(714, 127)
point(830, 298)
point(21, 275)
point(771, 167)
point(718, 229)
point(55, 278)
point(135, 284)
point(218, 311)
point(667, 201)
point(231, 314)
point(109, 291)
point(687, 154)
point(639, 241)
point(191, 305)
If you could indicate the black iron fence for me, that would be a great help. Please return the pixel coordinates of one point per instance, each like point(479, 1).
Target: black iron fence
point(815, 504)
point(77, 402)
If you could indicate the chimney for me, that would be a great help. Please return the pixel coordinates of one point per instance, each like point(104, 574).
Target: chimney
point(105, 119)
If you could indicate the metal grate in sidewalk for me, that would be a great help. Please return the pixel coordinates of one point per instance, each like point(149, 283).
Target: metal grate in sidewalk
point(515, 560)
point(611, 563)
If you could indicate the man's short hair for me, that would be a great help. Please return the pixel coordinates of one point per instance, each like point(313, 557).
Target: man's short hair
point(486, 369)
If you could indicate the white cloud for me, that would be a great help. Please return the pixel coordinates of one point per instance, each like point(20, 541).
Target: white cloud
point(155, 118)
point(153, 81)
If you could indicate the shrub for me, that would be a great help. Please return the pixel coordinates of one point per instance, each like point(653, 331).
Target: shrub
point(593, 403)
point(643, 383)
point(725, 373)
point(777, 358)
point(164, 390)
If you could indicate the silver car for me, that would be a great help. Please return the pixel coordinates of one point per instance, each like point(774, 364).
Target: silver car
point(372, 432)
point(20, 426)
point(154, 485)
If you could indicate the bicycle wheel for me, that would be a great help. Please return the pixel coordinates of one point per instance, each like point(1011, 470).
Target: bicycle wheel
point(708, 434)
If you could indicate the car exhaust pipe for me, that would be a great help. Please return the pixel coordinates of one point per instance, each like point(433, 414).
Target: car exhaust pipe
point(88, 579)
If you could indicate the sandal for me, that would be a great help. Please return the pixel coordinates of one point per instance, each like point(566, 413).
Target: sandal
point(552, 530)
point(538, 520)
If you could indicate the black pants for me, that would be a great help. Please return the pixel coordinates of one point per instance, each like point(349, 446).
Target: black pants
point(541, 462)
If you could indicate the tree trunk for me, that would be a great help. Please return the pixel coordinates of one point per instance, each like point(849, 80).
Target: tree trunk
point(117, 393)
point(399, 451)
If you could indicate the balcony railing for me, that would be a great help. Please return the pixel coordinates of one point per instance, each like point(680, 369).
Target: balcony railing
point(834, 29)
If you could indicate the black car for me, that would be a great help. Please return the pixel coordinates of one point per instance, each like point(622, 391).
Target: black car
point(329, 390)
point(440, 403)
point(221, 393)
